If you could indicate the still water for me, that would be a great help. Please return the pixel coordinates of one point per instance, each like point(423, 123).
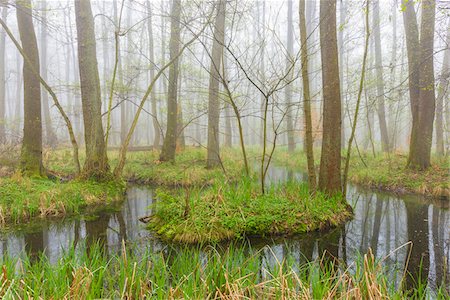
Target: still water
point(387, 223)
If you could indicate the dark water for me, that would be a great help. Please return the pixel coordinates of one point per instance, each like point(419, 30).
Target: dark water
point(384, 222)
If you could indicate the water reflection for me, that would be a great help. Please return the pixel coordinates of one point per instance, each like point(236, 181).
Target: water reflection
point(383, 222)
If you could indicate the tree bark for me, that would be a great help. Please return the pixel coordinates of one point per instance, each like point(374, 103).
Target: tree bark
point(2, 80)
point(50, 135)
point(342, 17)
point(421, 82)
point(330, 160)
point(213, 155)
point(309, 141)
point(31, 154)
point(379, 79)
point(96, 163)
point(442, 91)
point(170, 140)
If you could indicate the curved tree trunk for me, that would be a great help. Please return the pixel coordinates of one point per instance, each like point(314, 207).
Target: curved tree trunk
point(213, 155)
point(170, 139)
point(330, 160)
point(31, 154)
point(96, 163)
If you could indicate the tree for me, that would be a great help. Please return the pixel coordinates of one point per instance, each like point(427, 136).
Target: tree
point(421, 81)
point(156, 128)
point(288, 90)
point(170, 139)
point(31, 153)
point(2, 80)
point(379, 78)
point(96, 163)
point(50, 135)
point(442, 91)
point(309, 141)
point(330, 160)
point(213, 155)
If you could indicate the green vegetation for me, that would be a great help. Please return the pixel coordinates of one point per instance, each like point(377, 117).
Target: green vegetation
point(144, 167)
point(228, 211)
point(195, 273)
point(386, 172)
point(22, 198)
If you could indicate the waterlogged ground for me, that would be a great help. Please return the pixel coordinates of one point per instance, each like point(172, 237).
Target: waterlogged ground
point(384, 222)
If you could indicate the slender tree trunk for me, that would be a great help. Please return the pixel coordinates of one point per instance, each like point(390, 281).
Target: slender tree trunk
point(156, 129)
point(50, 135)
point(421, 82)
point(342, 17)
point(442, 92)
point(309, 141)
point(330, 161)
point(288, 89)
point(262, 66)
point(2, 80)
point(213, 155)
point(96, 163)
point(31, 154)
point(170, 140)
point(380, 81)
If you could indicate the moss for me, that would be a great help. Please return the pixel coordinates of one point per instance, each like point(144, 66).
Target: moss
point(22, 198)
point(224, 211)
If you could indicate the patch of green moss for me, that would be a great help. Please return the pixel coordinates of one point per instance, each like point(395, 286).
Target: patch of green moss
point(227, 211)
point(23, 198)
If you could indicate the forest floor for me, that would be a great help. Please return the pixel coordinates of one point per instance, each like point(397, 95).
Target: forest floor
point(386, 172)
point(235, 272)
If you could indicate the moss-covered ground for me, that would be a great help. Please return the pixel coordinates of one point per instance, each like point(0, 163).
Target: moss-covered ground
point(226, 211)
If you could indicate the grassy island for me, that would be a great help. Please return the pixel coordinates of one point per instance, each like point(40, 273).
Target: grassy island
point(228, 211)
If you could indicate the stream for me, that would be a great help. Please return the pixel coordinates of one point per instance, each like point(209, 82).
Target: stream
point(382, 221)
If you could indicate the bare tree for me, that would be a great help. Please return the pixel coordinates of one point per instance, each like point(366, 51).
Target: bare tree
point(2, 80)
point(170, 139)
point(96, 163)
point(31, 154)
point(421, 81)
point(309, 141)
point(330, 160)
point(213, 155)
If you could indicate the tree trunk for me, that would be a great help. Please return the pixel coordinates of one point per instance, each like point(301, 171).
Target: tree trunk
point(96, 163)
point(380, 81)
point(307, 99)
point(31, 154)
point(213, 155)
point(442, 91)
point(170, 140)
point(50, 135)
point(156, 129)
point(330, 160)
point(2, 80)
point(342, 17)
point(422, 83)
point(288, 89)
